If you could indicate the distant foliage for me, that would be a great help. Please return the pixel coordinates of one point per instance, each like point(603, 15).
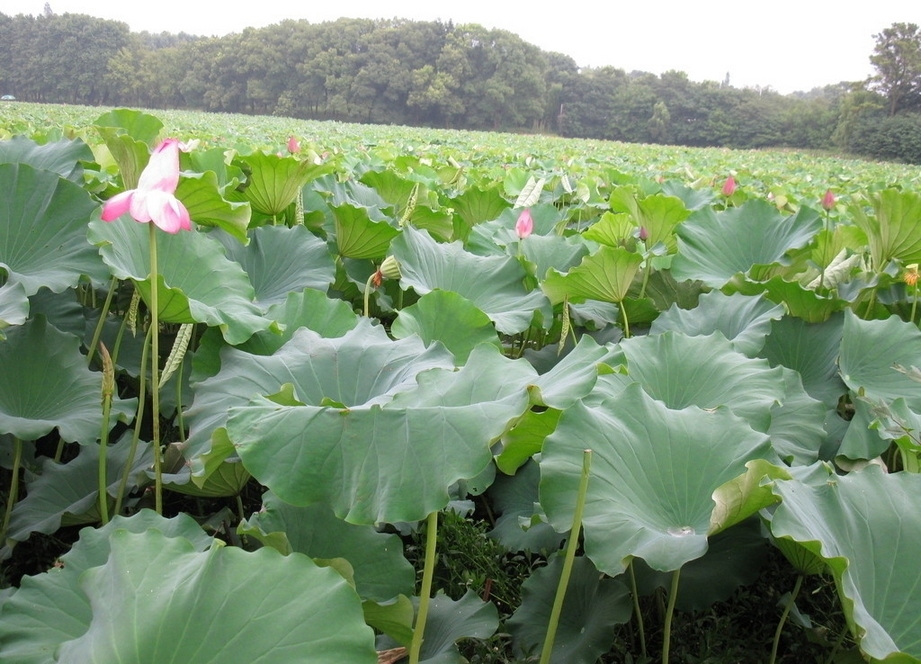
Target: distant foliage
point(437, 74)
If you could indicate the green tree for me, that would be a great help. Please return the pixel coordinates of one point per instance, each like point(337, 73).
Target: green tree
point(897, 59)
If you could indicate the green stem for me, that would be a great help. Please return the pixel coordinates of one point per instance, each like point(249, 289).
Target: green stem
point(914, 307)
point(636, 610)
point(368, 294)
point(623, 313)
point(102, 319)
point(107, 391)
point(571, 547)
point(142, 396)
point(13, 495)
point(59, 451)
point(428, 573)
point(155, 368)
point(783, 617)
point(645, 278)
point(669, 612)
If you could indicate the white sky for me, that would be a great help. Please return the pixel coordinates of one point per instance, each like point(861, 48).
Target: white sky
point(788, 45)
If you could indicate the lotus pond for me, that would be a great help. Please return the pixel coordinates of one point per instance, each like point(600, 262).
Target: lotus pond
point(600, 366)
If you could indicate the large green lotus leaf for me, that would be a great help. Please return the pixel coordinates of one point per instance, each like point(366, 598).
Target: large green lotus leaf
point(895, 230)
point(797, 428)
point(449, 318)
point(49, 609)
point(515, 499)
point(734, 558)
point(863, 440)
point(706, 372)
point(498, 237)
point(159, 600)
point(281, 260)
point(592, 609)
point(61, 157)
point(574, 376)
point(198, 283)
point(373, 459)
point(660, 215)
point(654, 472)
point(477, 205)
point(130, 154)
point(309, 308)
point(381, 571)
point(450, 621)
point(745, 321)
point(797, 299)
point(137, 124)
point(714, 247)
point(494, 284)
point(273, 182)
point(612, 229)
point(865, 527)
point(14, 306)
point(45, 384)
point(525, 439)
point(553, 251)
point(605, 275)
point(44, 219)
point(359, 236)
point(870, 349)
point(812, 350)
point(693, 199)
point(200, 194)
point(69, 493)
point(363, 366)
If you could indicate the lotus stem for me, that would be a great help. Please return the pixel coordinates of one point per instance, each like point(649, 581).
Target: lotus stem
point(13, 495)
point(108, 389)
point(636, 610)
point(428, 573)
point(571, 547)
point(102, 320)
point(669, 612)
point(142, 395)
point(783, 617)
point(623, 313)
point(155, 368)
point(368, 294)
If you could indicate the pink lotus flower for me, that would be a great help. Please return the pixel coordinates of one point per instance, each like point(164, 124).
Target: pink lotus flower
point(828, 200)
point(154, 199)
point(294, 145)
point(729, 187)
point(525, 225)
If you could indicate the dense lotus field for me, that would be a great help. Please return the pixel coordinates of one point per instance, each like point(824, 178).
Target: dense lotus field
point(641, 372)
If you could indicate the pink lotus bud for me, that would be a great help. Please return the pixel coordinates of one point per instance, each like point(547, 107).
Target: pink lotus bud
point(525, 225)
point(294, 145)
point(729, 187)
point(643, 234)
point(828, 200)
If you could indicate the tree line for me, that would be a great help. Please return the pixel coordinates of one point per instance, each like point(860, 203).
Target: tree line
point(433, 73)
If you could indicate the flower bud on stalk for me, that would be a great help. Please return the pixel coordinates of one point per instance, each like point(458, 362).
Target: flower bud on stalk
point(525, 224)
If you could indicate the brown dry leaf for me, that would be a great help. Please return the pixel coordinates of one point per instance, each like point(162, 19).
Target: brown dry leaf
point(391, 656)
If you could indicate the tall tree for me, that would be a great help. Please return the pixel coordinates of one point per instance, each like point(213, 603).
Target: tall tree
point(897, 59)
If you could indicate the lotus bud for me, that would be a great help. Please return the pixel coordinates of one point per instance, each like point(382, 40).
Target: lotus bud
point(390, 268)
point(525, 225)
point(828, 200)
point(643, 234)
point(729, 187)
point(294, 145)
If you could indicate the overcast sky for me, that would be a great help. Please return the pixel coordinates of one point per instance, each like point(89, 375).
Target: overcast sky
point(788, 45)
